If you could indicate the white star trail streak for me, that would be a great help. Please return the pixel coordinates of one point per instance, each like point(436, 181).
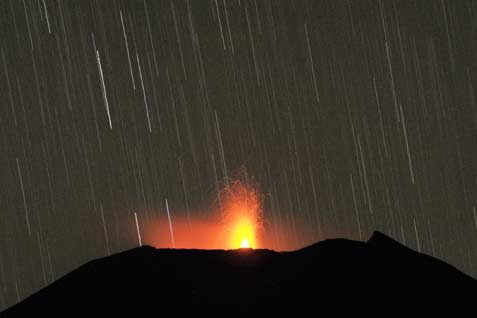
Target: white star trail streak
point(27, 218)
point(475, 217)
point(137, 229)
point(407, 144)
point(106, 232)
point(417, 235)
point(105, 96)
point(312, 64)
point(144, 94)
point(127, 49)
point(46, 15)
point(170, 224)
point(349, 117)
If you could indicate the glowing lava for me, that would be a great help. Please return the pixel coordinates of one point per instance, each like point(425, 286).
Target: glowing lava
point(241, 209)
point(243, 234)
point(233, 221)
point(245, 244)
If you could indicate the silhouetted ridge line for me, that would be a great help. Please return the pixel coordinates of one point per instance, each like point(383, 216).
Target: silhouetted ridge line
point(332, 276)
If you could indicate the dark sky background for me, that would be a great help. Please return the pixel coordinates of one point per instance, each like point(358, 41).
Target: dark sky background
point(350, 117)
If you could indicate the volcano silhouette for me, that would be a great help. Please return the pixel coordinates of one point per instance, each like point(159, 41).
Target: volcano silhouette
point(332, 276)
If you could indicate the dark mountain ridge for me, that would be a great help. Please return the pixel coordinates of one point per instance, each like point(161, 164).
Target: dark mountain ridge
point(332, 276)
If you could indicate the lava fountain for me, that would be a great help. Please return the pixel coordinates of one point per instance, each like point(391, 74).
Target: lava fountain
point(240, 206)
point(233, 221)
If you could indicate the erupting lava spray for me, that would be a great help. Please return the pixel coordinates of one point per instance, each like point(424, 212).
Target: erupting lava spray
point(233, 220)
point(240, 206)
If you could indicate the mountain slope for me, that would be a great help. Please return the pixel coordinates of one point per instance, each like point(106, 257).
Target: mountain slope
point(330, 276)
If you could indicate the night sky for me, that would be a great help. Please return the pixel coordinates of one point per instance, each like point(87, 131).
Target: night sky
point(347, 116)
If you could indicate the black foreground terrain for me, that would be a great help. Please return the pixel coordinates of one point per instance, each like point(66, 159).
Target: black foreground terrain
point(379, 276)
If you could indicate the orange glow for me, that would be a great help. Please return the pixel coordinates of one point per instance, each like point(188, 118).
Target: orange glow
point(243, 235)
point(235, 222)
point(241, 210)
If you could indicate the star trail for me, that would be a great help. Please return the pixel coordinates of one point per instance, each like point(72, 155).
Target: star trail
point(119, 118)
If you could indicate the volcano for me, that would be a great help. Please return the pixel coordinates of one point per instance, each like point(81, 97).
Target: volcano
point(332, 276)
